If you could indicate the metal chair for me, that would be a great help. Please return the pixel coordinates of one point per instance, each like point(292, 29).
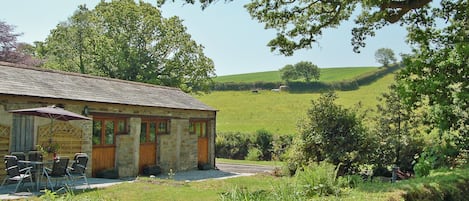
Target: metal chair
point(21, 156)
point(78, 168)
point(35, 156)
point(58, 172)
point(14, 173)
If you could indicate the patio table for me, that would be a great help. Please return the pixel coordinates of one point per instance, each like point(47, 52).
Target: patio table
point(38, 169)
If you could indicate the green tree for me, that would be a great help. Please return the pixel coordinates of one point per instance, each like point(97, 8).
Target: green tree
point(436, 73)
point(397, 132)
point(303, 69)
point(438, 32)
point(289, 73)
point(307, 70)
point(131, 41)
point(385, 56)
point(330, 133)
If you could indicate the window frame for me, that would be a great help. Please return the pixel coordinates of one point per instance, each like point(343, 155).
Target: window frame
point(157, 122)
point(116, 121)
point(192, 127)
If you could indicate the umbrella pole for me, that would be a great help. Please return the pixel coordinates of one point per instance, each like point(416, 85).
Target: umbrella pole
point(51, 130)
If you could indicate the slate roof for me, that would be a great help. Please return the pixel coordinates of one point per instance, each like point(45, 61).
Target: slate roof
point(37, 82)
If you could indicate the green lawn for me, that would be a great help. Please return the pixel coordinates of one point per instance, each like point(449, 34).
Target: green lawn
point(246, 162)
point(279, 113)
point(327, 75)
point(440, 183)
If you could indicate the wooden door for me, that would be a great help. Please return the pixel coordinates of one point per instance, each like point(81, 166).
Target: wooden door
point(104, 157)
point(199, 127)
point(147, 155)
point(202, 147)
point(104, 138)
point(148, 149)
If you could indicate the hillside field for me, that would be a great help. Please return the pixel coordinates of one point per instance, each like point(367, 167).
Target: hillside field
point(279, 113)
point(327, 75)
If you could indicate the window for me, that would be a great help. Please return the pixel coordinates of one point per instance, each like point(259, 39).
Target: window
point(198, 127)
point(105, 130)
point(150, 128)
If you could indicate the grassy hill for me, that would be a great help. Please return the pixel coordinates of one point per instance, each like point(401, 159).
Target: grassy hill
point(279, 112)
point(327, 75)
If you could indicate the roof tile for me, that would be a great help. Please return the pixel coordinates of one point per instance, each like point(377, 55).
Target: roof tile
point(29, 81)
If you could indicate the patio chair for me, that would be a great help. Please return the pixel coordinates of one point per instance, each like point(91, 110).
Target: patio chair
point(14, 173)
point(58, 172)
point(35, 156)
point(78, 168)
point(21, 156)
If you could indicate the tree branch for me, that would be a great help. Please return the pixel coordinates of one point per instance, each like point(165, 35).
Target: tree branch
point(403, 7)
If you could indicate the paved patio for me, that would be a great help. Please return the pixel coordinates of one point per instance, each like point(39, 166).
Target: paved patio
point(6, 191)
point(193, 175)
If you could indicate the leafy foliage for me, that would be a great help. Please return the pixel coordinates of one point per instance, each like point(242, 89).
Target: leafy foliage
point(131, 41)
point(319, 180)
point(303, 69)
point(12, 51)
point(385, 56)
point(254, 154)
point(300, 23)
point(232, 145)
point(330, 133)
point(397, 133)
point(436, 73)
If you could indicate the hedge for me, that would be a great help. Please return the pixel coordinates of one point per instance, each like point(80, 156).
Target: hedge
point(297, 86)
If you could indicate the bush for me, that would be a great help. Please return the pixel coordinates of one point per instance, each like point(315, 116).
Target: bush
point(280, 145)
point(330, 133)
point(232, 145)
point(237, 145)
point(263, 142)
point(319, 180)
point(254, 154)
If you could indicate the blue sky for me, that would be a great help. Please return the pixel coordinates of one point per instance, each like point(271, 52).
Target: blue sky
point(235, 42)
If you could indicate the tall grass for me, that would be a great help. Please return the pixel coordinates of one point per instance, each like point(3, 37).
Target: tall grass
point(279, 113)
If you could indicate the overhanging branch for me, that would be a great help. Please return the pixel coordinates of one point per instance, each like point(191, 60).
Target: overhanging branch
point(403, 6)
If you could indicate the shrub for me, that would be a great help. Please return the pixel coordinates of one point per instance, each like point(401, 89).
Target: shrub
point(232, 145)
point(280, 145)
point(330, 133)
point(263, 142)
point(237, 145)
point(424, 165)
point(319, 180)
point(254, 154)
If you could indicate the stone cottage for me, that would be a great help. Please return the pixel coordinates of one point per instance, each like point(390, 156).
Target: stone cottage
point(133, 124)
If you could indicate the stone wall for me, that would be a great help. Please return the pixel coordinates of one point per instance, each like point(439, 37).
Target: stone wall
point(177, 150)
point(127, 150)
point(83, 128)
